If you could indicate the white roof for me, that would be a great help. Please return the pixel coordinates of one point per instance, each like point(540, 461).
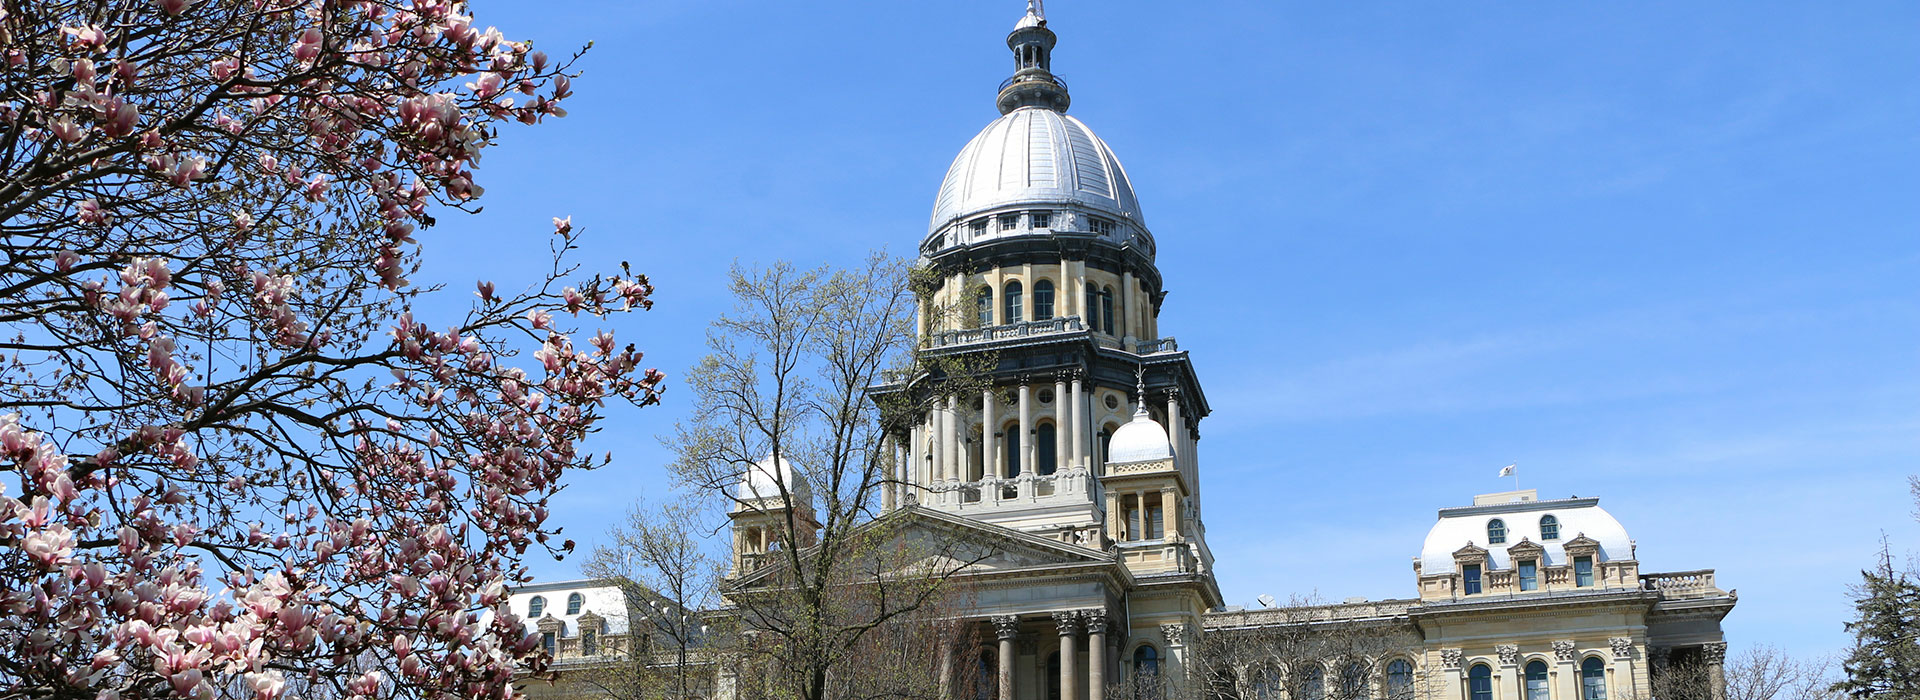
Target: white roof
point(763, 480)
point(1577, 516)
point(597, 596)
point(1141, 439)
point(1034, 155)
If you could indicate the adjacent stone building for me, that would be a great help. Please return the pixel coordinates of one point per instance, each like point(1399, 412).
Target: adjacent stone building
point(1081, 462)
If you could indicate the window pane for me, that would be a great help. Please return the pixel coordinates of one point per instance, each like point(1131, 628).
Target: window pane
point(1400, 680)
point(985, 304)
point(1042, 300)
point(1593, 679)
point(1529, 575)
point(1013, 302)
point(573, 604)
point(1583, 571)
point(1549, 527)
point(535, 607)
point(1046, 442)
point(1155, 524)
point(1470, 576)
point(1496, 532)
point(1480, 683)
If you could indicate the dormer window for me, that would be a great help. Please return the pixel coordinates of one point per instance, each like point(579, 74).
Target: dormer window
point(1100, 226)
point(1549, 527)
point(574, 602)
point(1470, 579)
point(1496, 531)
point(1529, 575)
point(1039, 219)
point(1583, 571)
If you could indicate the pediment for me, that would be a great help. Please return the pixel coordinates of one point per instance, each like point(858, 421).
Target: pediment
point(1526, 548)
point(930, 541)
point(1581, 542)
point(1470, 551)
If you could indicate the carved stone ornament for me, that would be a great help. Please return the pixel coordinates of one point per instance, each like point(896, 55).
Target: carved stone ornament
point(1622, 647)
point(1509, 654)
point(1450, 659)
point(1068, 623)
point(1714, 652)
point(1006, 626)
point(1175, 633)
point(1564, 650)
point(1096, 620)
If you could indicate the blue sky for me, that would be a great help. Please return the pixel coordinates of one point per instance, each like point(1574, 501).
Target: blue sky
point(1661, 253)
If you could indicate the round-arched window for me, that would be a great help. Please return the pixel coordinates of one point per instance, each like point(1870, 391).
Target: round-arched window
point(536, 606)
point(1537, 681)
point(1480, 682)
point(1146, 661)
point(1314, 685)
point(1013, 311)
point(574, 602)
point(1046, 447)
point(1354, 681)
point(1042, 300)
point(1549, 527)
point(1400, 680)
point(1593, 679)
point(1496, 531)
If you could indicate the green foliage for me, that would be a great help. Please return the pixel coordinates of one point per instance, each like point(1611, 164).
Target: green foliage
point(1885, 658)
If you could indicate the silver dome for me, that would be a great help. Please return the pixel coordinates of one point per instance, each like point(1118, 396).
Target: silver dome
point(1035, 156)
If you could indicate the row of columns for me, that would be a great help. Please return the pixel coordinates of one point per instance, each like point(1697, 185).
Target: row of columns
point(1133, 320)
point(940, 441)
point(1119, 517)
point(1068, 624)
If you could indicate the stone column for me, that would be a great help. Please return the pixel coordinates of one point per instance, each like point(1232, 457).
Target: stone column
point(1067, 624)
point(1623, 683)
point(956, 462)
point(1715, 654)
point(989, 446)
point(1006, 627)
point(1097, 654)
point(887, 489)
point(1566, 656)
point(1509, 668)
point(1061, 417)
point(946, 670)
point(1114, 531)
point(1454, 672)
point(1170, 514)
point(1026, 428)
point(1177, 430)
point(1079, 427)
point(1124, 315)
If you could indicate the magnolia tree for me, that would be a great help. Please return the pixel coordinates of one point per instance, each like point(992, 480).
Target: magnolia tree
point(236, 463)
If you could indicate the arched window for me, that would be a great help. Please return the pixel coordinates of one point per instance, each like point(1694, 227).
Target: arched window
point(1106, 311)
point(1266, 684)
point(1400, 680)
point(574, 601)
point(1354, 681)
point(1314, 685)
point(985, 306)
point(1549, 527)
point(1146, 662)
point(1013, 450)
point(1012, 313)
point(1042, 300)
point(1092, 313)
point(1537, 681)
point(1045, 443)
point(1480, 682)
point(1496, 531)
point(1593, 679)
point(536, 606)
point(986, 684)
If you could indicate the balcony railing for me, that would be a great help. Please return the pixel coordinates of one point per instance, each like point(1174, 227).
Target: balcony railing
point(1681, 584)
point(1004, 84)
point(1027, 329)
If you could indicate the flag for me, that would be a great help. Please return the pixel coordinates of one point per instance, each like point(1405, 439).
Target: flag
point(1508, 470)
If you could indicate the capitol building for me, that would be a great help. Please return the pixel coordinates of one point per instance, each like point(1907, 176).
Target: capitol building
point(1081, 458)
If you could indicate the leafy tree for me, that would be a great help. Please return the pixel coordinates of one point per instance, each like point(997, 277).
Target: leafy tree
point(234, 458)
point(844, 603)
point(1885, 658)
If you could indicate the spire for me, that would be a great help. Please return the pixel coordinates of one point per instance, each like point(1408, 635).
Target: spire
point(1033, 83)
point(1140, 392)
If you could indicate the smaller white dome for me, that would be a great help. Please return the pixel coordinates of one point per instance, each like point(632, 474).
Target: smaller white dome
point(763, 481)
point(1141, 440)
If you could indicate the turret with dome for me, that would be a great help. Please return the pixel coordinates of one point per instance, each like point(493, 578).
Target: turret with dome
point(1045, 264)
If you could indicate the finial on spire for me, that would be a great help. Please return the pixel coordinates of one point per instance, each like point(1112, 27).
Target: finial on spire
point(1140, 389)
